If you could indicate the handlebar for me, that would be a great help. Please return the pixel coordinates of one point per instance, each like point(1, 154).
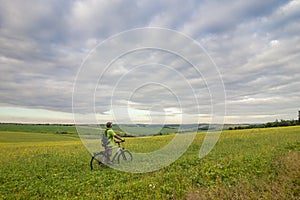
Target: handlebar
point(119, 141)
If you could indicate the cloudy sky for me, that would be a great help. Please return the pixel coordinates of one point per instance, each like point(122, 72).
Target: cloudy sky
point(251, 47)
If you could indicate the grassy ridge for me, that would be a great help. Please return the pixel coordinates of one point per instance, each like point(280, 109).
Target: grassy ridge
point(71, 129)
point(250, 162)
point(39, 128)
point(16, 137)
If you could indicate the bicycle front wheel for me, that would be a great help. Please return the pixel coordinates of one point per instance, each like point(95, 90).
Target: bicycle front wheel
point(124, 157)
point(97, 160)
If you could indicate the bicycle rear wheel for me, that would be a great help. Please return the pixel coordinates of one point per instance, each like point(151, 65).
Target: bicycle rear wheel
point(97, 160)
point(124, 157)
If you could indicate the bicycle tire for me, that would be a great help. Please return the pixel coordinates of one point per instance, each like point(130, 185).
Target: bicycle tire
point(124, 157)
point(97, 160)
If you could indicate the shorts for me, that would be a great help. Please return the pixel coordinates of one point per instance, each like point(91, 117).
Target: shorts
point(108, 151)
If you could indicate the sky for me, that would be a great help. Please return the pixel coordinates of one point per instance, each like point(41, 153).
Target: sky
point(52, 56)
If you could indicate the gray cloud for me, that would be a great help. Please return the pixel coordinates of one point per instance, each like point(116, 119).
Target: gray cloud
point(254, 44)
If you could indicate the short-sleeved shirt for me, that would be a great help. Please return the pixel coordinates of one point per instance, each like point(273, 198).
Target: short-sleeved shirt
point(110, 134)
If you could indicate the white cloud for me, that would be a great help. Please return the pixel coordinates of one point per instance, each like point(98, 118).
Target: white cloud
point(254, 44)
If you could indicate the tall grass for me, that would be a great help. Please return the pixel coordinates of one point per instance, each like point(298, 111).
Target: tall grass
point(243, 162)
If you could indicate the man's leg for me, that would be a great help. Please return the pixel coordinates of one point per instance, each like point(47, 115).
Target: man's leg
point(108, 155)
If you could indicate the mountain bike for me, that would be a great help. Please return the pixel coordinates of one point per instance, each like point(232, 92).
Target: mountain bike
point(121, 156)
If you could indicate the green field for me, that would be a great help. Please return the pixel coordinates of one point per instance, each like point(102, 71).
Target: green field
point(39, 128)
point(71, 129)
point(245, 164)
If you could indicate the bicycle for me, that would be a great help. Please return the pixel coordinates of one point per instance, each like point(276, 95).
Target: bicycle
point(121, 155)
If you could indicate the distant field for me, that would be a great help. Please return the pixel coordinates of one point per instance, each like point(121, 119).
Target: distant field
point(71, 129)
point(39, 128)
point(15, 137)
point(123, 130)
point(245, 164)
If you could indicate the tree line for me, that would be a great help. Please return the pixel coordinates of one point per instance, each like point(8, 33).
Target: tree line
point(277, 123)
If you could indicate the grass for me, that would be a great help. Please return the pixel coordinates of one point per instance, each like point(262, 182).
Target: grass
point(71, 129)
point(39, 128)
point(16, 137)
point(245, 164)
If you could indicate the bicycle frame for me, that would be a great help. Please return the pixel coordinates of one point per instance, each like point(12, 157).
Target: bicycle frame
point(119, 149)
point(118, 152)
point(121, 154)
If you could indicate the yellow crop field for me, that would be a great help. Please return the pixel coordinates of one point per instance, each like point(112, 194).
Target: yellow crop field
point(244, 164)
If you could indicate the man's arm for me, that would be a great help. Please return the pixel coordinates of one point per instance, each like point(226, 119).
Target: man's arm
point(119, 138)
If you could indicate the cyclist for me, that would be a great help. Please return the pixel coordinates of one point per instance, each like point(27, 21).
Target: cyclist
point(112, 138)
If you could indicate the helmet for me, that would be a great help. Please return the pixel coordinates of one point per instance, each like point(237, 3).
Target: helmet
point(108, 124)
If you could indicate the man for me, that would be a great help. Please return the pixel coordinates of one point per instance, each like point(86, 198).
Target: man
point(111, 137)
